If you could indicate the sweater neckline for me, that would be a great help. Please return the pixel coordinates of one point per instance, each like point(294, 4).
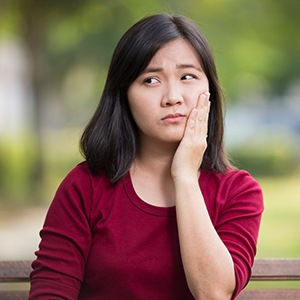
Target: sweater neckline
point(167, 211)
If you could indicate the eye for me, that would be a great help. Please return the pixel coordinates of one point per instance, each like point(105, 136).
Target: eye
point(151, 80)
point(188, 77)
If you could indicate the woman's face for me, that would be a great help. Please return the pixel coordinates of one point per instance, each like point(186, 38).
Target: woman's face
point(163, 95)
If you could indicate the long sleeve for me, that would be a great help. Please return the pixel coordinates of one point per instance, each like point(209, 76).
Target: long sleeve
point(236, 215)
point(66, 237)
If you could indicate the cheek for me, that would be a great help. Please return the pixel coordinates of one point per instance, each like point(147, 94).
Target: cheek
point(194, 92)
point(140, 105)
point(132, 103)
point(136, 112)
point(140, 112)
point(204, 86)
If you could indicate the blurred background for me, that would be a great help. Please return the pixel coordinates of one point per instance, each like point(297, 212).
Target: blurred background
point(54, 57)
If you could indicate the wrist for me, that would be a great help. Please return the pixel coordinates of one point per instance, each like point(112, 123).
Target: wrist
point(186, 178)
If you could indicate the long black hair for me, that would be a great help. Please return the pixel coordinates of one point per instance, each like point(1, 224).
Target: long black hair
point(110, 141)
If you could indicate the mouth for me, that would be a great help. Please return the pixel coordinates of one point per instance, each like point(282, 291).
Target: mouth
point(173, 118)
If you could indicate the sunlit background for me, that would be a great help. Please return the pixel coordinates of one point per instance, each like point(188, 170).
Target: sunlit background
point(54, 57)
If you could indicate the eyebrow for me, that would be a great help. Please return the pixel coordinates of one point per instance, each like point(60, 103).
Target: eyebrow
point(180, 66)
point(188, 66)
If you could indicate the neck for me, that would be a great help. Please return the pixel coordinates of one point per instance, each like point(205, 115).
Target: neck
point(156, 158)
point(151, 174)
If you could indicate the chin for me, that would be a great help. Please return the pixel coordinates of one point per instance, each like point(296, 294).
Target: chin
point(172, 136)
point(175, 138)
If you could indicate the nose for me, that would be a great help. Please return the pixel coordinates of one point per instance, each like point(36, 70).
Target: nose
point(172, 95)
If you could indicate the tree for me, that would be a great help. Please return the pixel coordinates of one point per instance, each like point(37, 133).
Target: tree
point(253, 41)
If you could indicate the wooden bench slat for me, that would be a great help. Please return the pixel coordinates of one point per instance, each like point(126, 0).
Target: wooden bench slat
point(270, 269)
point(15, 271)
point(276, 269)
point(14, 295)
point(269, 294)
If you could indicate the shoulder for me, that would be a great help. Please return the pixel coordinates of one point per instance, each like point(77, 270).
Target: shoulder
point(81, 171)
point(235, 179)
point(81, 185)
point(232, 186)
point(82, 192)
point(81, 175)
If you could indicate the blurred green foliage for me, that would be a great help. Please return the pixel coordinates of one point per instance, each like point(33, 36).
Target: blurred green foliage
point(270, 159)
point(16, 160)
point(69, 44)
point(248, 37)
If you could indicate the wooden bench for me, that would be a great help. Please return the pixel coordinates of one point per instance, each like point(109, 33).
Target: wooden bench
point(276, 270)
point(15, 273)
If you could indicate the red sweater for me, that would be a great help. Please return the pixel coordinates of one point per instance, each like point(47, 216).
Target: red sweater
point(101, 241)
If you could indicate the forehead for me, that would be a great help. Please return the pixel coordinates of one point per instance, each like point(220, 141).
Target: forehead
point(178, 51)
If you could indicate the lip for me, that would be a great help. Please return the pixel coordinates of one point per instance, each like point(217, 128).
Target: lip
point(173, 118)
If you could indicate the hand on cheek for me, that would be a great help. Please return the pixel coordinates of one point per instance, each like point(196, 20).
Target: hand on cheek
point(189, 155)
point(203, 107)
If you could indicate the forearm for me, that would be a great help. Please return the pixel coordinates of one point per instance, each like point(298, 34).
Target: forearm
point(207, 263)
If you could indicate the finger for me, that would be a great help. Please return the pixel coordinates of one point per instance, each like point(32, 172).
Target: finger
point(196, 125)
point(191, 121)
point(207, 113)
point(197, 120)
point(207, 109)
point(207, 102)
point(201, 122)
point(200, 102)
point(204, 103)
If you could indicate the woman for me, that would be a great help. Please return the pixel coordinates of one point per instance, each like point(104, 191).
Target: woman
point(156, 211)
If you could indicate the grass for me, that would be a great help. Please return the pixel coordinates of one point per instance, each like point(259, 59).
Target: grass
point(280, 228)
